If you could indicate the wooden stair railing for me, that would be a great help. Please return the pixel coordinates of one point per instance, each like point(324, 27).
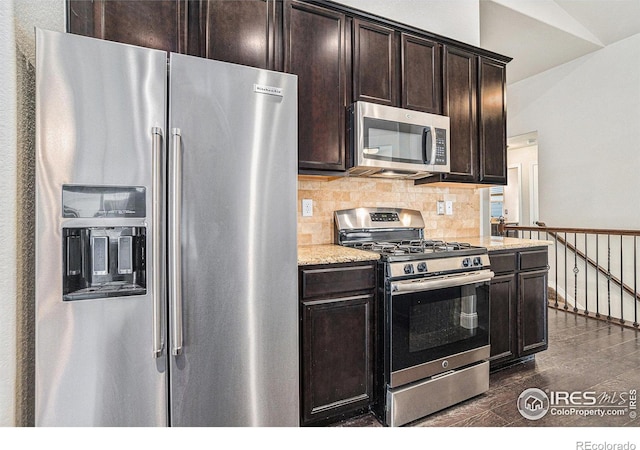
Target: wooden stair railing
point(557, 234)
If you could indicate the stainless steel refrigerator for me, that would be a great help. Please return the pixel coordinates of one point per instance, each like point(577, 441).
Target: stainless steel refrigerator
point(166, 261)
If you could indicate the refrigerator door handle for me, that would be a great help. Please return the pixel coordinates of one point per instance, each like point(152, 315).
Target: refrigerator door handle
point(175, 263)
point(158, 266)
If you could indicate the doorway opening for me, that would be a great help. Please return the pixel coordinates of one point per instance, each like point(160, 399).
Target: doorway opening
point(517, 202)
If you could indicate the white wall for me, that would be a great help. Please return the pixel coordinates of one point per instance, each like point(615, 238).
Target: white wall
point(455, 19)
point(586, 113)
point(8, 216)
point(17, 49)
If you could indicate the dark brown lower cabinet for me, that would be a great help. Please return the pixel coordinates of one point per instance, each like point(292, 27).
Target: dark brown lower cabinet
point(532, 304)
point(503, 323)
point(337, 341)
point(518, 296)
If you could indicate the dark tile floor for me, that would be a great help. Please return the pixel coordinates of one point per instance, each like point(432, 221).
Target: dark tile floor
point(584, 354)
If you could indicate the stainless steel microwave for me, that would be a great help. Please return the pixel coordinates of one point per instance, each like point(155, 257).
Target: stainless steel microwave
point(393, 142)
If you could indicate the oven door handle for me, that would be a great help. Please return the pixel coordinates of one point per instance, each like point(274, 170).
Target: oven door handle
point(426, 284)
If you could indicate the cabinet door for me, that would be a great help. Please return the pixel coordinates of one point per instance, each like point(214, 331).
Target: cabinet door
point(460, 104)
point(241, 32)
point(421, 70)
point(493, 122)
point(316, 51)
point(503, 321)
point(169, 25)
point(374, 63)
point(532, 312)
point(337, 356)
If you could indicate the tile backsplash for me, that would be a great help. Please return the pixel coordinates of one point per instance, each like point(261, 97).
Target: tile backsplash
point(345, 193)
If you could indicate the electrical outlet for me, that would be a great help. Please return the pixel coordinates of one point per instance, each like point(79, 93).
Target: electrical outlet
point(440, 208)
point(449, 208)
point(307, 207)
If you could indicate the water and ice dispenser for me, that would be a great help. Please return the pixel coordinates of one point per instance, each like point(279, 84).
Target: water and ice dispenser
point(106, 255)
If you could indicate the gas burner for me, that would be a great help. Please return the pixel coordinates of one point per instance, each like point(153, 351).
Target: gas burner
point(411, 247)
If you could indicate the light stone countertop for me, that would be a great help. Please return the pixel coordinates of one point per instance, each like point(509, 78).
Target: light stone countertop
point(493, 243)
point(332, 254)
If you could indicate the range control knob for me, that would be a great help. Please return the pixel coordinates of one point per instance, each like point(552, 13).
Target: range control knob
point(477, 261)
point(422, 267)
point(408, 268)
point(466, 262)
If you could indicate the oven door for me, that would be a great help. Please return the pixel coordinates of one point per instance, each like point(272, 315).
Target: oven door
point(437, 325)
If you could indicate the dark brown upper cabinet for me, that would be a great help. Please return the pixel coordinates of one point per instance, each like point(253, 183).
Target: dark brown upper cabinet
point(374, 63)
point(407, 75)
point(169, 25)
point(316, 49)
point(493, 120)
point(243, 32)
point(474, 100)
point(460, 104)
point(340, 55)
point(421, 74)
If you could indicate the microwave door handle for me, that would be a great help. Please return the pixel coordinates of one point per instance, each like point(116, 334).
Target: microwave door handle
point(427, 144)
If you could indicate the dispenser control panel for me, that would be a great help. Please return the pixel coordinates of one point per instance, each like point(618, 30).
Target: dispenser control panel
point(103, 261)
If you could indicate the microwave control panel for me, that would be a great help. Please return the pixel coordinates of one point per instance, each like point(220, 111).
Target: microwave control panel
point(441, 146)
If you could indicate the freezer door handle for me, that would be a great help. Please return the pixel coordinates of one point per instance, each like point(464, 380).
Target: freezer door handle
point(158, 265)
point(175, 263)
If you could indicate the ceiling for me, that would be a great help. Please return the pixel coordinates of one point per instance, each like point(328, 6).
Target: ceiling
point(541, 34)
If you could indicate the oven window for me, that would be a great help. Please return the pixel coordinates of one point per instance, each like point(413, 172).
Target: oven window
point(435, 324)
point(392, 141)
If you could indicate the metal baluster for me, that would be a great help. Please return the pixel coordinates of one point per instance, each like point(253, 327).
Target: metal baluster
point(556, 253)
point(586, 276)
point(608, 277)
point(575, 272)
point(566, 242)
point(635, 282)
point(621, 281)
point(597, 275)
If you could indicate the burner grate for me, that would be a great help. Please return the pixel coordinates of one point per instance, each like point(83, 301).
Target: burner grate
point(411, 247)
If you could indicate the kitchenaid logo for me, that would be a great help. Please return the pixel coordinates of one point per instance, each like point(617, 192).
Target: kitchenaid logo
point(262, 89)
point(534, 403)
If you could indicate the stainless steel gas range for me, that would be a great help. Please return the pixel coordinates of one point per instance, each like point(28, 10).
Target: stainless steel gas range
point(433, 315)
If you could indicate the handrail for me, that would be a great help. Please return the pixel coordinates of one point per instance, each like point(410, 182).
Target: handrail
point(556, 232)
point(502, 228)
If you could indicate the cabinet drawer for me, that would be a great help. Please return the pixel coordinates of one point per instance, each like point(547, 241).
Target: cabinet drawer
point(534, 259)
point(502, 262)
point(328, 281)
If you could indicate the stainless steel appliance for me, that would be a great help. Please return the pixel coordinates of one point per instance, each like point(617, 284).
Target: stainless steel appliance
point(166, 189)
point(433, 317)
point(392, 142)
